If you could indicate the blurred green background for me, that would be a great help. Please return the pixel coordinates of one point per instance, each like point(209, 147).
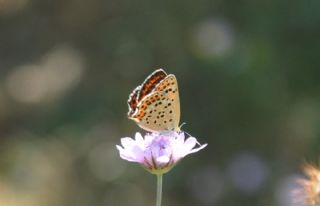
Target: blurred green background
point(249, 80)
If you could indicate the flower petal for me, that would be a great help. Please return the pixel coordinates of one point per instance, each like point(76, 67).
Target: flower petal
point(126, 155)
point(180, 138)
point(148, 138)
point(163, 159)
point(138, 153)
point(127, 142)
point(190, 143)
point(138, 137)
point(198, 149)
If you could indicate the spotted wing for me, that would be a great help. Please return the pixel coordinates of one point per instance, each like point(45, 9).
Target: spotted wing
point(150, 83)
point(160, 110)
point(145, 88)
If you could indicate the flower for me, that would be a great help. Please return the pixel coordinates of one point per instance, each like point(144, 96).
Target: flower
point(158, 152)
point(309, 191)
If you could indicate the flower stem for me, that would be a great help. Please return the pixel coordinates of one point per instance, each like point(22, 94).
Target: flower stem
point(159, 189)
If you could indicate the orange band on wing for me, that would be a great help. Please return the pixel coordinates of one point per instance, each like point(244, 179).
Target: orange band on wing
point(150, 83)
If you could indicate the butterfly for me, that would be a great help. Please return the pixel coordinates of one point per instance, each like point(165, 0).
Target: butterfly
point(154, 105)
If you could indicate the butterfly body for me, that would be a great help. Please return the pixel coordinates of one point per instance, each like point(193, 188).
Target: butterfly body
point(155, 105)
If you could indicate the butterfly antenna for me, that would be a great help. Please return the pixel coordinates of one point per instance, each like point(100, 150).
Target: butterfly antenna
point(183, 123)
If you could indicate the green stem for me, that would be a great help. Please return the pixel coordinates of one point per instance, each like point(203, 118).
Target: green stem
point(159, 189)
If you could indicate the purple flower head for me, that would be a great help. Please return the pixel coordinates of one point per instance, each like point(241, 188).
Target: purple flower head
point(158, 152)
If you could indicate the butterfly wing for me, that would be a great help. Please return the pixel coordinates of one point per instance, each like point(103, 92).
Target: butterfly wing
point(159, 110)
point(169, 89)
point(145, 88)
point(150, 83)
point(133, 100)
